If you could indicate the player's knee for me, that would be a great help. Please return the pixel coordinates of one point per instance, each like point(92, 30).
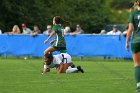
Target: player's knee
point(45, 53)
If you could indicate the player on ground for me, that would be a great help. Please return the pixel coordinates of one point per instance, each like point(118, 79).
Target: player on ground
point(62, 63)
point(134, 26)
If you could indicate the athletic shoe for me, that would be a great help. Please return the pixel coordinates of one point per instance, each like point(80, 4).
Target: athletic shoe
point(138, 89)
point(80, 69)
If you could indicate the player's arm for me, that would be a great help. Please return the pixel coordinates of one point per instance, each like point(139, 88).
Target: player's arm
point(60, 68)
point(129, 32)
point(45, 69)
point(52, 41)
point(50, 36)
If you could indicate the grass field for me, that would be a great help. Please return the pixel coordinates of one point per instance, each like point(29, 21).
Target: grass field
point(101, 76)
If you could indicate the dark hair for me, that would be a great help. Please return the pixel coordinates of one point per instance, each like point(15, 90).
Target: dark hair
point(58, 20)
point(36, 25)
point(50, 57)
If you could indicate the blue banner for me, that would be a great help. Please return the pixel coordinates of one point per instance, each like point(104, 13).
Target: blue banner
point(77, 45)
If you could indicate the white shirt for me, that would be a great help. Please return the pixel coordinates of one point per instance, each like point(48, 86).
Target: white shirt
point(63, 57)
point(27, 31)
point(57, 59)
point(47, 32)
point(114, 33)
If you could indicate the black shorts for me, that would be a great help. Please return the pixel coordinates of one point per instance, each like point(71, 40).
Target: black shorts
point(59, 48)
point(135, 47)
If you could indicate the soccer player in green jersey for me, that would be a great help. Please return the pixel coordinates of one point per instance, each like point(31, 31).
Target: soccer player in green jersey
point(59, 43)
point(134, 26)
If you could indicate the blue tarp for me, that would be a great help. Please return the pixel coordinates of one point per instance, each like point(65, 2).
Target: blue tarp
point(77, 45)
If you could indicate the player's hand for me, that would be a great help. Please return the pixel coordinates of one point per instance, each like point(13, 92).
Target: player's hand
point(51, 42)
point(45, 41)
point(127, 47)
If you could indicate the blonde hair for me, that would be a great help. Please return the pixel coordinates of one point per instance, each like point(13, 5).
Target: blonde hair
point(136, 4)
point(16, 29)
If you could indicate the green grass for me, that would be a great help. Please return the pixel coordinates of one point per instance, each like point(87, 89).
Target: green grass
point(101, 76)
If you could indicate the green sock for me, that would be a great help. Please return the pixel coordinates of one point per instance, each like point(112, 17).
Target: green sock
point(137, 74)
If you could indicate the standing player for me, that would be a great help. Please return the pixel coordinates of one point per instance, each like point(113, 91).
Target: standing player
point(62, 62)
point(134, 24)
point(59, 43)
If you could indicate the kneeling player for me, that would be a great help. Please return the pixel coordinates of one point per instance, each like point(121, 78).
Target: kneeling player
point(62, 62)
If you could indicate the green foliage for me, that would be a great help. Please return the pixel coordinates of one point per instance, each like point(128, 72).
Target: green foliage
point(93, 15)
point(120, 4)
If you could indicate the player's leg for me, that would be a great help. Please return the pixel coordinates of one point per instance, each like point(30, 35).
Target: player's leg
point(62, 68)
point(49, 49)
point(75, 69)
point(66, 62)
point(71, 70)
point(66, 65)
point(136, 59)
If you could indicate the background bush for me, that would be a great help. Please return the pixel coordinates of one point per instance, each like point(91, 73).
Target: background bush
point(93, 15)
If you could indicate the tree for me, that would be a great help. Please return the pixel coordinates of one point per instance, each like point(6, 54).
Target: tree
point(93, 15)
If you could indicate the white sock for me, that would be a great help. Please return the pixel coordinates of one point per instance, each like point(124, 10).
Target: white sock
point(71, 70)
point(138, 84)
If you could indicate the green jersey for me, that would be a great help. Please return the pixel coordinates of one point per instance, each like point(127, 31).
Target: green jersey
point(60, 41)
point(134, 18)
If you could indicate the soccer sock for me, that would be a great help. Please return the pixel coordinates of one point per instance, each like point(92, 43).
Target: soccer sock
point(71, 70)
point(137, 75)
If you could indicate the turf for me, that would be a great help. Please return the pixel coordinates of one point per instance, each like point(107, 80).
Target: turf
point(101, 76)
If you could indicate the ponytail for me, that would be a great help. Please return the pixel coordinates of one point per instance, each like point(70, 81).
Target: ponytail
point(58, 20)
point(136, 4)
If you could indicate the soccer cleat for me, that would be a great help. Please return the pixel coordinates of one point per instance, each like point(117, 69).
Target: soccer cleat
point(138, 89)
point(80, 69)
